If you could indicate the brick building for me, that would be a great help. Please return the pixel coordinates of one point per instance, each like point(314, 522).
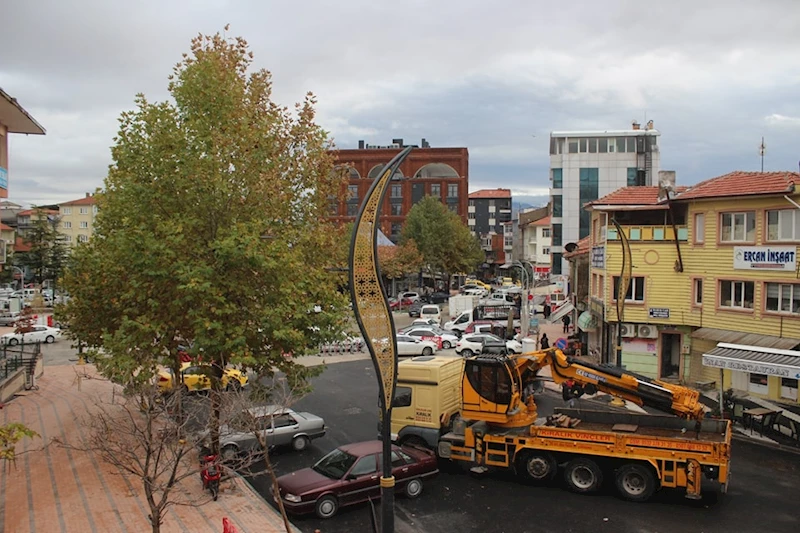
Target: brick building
point(439, 172)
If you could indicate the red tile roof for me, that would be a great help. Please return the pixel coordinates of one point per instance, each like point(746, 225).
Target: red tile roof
point(641, 195)
point(88, 200)
point(5, 227)
point(21, 246)
point(33, 212)
point(584, 245)
point(542, 221)
point(741, 183)
point(491, 193)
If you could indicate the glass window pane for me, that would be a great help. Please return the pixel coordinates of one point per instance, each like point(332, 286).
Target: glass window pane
point(738, 227)
point(557, 178)
point(786, 225)
point(772, 225)
point(602, 145)
point(749, 291)
point(592, 146)
point(583, 145)
point(750, 225)
point(573, 146)
point(631, 145)
point(621, 145)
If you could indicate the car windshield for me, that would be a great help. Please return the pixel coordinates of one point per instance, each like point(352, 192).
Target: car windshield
point(335, 465)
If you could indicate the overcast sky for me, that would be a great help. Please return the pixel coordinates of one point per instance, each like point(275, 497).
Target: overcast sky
point(496, 77)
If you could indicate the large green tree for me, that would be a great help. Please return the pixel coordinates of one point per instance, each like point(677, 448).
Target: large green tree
point(446, 244)
point(48, 252)
point(211, 229)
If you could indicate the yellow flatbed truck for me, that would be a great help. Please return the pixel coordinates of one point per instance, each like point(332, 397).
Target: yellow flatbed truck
point(497, 426)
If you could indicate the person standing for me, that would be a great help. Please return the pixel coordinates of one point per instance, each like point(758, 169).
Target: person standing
point(546, 311)
point(544, 342)
point(566, 320)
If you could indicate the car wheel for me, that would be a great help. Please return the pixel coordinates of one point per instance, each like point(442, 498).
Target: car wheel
point(300, 443)
point(229, 453)
point(427, 351)
point(536, 466)
point(413, 488)
point(49, 339)
point(583, 475)
point(13, 342)
point(326, 506)
point(466, 352)
point(635, 482)
point(445, 345)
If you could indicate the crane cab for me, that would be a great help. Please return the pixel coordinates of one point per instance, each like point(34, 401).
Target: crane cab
point(492, 392)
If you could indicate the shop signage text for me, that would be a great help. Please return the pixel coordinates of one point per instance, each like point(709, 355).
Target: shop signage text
point(765, 258)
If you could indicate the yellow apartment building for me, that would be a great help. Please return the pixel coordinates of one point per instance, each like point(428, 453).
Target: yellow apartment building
point(714, 282)
point(77, 219)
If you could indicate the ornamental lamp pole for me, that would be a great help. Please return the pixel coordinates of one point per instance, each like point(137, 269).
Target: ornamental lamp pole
point(374, 318)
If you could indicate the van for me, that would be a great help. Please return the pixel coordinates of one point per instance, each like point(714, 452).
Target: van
point(431, 312)
point(427, 396)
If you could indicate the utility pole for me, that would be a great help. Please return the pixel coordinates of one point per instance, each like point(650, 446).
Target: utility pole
point(762, 149)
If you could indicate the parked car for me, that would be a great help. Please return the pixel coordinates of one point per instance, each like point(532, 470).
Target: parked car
point(415, 308)
point(430, 324)
point(37, 334)
point(413, 296)
point(197, 377)
point(9, 319)
point(408, 345)
point(278, 426)
point(437, 297)
point(431, 312)
point(474, 344)
point(448, 340)
point(395, 303)
point(351, 474)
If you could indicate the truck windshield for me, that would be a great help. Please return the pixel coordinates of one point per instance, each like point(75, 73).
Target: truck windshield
point(335, 465)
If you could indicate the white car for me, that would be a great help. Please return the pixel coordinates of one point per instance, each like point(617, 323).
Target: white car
point(448, 340)
point(412, 296)
point(38, 334)
point(471, 344)
point(408, 345)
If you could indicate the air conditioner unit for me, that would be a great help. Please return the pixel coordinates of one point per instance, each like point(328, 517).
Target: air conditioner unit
point(647, 331)
point(627, 330)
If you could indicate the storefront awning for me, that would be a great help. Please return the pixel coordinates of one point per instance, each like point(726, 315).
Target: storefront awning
point(749, 339)
point(587, 321)
point(754, 360)
point(561, 311)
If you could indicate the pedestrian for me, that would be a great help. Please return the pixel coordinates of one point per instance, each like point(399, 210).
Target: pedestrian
point(546, 311)
point(544, 342)
point(566, 320)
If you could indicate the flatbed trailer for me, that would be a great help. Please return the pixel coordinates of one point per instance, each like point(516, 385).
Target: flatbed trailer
point(641, 452)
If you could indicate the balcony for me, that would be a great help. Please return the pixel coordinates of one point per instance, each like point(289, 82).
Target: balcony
point(650, 233)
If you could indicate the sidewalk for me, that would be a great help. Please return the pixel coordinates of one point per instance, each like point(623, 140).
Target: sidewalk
point(60, 490)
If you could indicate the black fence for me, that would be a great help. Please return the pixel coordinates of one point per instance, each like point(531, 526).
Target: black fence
point(12, 358)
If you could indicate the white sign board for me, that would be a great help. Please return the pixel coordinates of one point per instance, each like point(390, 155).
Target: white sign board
point(752, 367)
point(765, 258)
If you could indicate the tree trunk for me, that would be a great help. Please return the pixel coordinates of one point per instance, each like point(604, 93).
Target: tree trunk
point(277, 493)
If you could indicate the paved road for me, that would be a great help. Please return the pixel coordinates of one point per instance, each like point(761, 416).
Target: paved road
point(762, 496)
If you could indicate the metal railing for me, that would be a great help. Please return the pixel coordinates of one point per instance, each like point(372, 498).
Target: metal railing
point(12, 358)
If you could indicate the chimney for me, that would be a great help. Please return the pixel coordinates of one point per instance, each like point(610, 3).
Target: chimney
point(360, 145)
point(650, 125)
point(635, 125)
point(88, 195)
point(666, 185)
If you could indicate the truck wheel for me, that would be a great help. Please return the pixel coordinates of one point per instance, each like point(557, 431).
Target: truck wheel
point(635, 482)
point(583, 475)
point(536, 466)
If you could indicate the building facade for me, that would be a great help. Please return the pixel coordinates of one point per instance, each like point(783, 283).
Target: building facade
point(489, 219)
point(76, 219)
point(439, 172)
point(587, 165)
point(536, 243)
point(713, 297)
point(13, 119)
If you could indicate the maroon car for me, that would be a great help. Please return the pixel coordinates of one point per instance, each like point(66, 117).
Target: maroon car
point(351, 474)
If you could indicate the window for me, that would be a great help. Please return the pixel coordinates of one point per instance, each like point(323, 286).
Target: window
point(397, 209)
point(556, 240)
point(556, 265)
point(700, 228)
point(572, 146)
point(630, 145)
point(365, 466)
point(472, 203)
point(333, 205)
point(509, 241)
point(436, 190)
point(84, 210)
point(67, 210)
point(789, 388)
point(583, 145)
point(620, 145)
point(66, 225)
point(352, 209)
point(545, 233)
point(588, 191)
point(471, 214)
point(282, 421)
point(697, 292)
point(783, 298)
point(397, 191)
point(758, 384)
point(558, 210)
point(436, 170)
point(592, 146)
point(546, 250)
point(94, 209)
point(84, 224)
point(67, 238)
point(402, 397)
point(594, 284)
point(736, 294)
point(352, 192)
point(396, 229)
point(558, 178)
point(635, 289)
point(631, 176)
point(783, 225)
point(602, 145)
point(452, 190)
point(491, 204)
point(83, 238)
point(738, 227)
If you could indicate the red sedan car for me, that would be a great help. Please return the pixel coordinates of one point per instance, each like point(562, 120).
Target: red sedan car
point(351, 474)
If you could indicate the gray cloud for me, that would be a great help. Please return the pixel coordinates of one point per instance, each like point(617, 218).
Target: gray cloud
point(497, 78)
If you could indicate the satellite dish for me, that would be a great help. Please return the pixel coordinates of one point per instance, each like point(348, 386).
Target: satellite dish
point(570, 247)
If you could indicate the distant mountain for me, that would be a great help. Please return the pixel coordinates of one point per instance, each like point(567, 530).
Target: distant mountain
point(524, 202)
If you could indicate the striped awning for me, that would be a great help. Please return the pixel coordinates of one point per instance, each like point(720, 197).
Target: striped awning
point(754, 360)
point(741, 337)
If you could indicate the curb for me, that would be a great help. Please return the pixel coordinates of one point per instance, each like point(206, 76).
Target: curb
point(241, 481)
point(776, 446)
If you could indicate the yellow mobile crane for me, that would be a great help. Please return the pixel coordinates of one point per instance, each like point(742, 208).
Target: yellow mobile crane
point(498, 426)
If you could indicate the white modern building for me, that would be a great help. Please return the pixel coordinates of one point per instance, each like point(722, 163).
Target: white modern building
point(536, 244)
point(587, 165)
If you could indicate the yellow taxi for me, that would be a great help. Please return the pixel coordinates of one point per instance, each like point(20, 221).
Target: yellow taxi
point(479, 283)
point(197, 377)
